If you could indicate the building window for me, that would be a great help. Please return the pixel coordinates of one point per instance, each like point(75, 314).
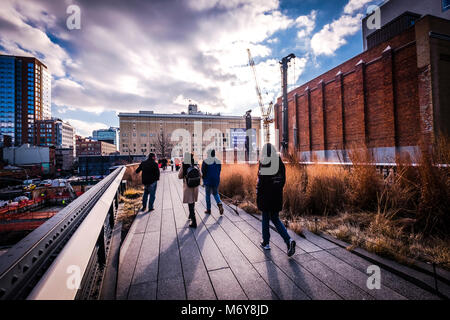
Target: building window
point(445, 5)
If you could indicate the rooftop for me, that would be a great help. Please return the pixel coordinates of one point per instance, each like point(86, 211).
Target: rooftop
point(151, 114)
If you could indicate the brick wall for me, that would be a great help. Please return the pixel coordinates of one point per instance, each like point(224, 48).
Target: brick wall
point(371, 99)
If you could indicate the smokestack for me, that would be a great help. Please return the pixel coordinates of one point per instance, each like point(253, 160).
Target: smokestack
point(284, 68)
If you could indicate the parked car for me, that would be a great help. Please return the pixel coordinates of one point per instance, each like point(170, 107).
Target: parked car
point(46, 183)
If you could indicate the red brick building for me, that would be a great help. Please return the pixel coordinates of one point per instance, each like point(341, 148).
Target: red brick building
point(387, 98)
point(54, 132)
point(88, 147)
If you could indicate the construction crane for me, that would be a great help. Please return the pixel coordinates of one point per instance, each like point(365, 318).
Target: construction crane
point(265, 113)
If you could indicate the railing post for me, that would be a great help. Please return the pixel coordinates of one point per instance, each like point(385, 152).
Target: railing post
point(101, 253)
point(111, 214)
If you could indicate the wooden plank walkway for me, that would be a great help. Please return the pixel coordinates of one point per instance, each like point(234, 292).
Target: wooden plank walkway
point(162, 258)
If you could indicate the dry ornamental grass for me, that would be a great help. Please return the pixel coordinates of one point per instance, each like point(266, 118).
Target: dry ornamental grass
point(404, 216)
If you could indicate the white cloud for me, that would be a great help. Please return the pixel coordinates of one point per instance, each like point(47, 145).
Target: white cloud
point(20, 37)
point(355, 5)
point(333, 35)
point(85, 128)
point(128, 57)
point(306, 24)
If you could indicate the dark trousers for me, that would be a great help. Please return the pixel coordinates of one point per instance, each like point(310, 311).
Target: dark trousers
point(191, 211)
point(149, 190)
point(274, 217)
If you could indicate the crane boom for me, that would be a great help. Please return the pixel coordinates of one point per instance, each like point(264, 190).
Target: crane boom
point(265, 114)
point(258, 91)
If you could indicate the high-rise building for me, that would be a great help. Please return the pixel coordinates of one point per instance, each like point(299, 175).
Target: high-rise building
point(55, 132)
point(110, 135)
point(7, 96)
point(25, 96)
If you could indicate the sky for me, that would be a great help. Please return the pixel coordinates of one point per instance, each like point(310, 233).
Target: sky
point(160, 54)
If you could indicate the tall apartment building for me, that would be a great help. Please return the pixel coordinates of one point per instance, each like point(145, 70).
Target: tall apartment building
point(7, 96)
point(89, 147)
point(110, 135)
point(25, 96)
point(143, 132)
point(55, 132)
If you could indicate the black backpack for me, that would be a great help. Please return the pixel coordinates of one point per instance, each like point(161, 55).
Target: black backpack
point(193, 177)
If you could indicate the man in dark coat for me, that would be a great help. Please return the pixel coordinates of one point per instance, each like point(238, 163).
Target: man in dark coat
point(211, 168)
point(269, 196)
point(150, 177)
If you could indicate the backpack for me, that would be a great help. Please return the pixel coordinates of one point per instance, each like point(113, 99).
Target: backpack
point(192, 177)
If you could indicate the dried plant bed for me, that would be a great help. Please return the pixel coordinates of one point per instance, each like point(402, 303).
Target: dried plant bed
point(131, 202)
point(380, 235)
point(404, 216)
point(133, 179)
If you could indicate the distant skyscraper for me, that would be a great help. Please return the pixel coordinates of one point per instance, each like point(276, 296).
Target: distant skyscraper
point(25, 97)
point(110, 135)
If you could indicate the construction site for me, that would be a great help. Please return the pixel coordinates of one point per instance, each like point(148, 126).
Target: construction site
point(24, 207)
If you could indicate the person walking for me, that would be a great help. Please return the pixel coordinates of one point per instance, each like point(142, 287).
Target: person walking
point(211, 168)
point(269, 196)
point(150, 177)
point(191, 175)
point(164, 164)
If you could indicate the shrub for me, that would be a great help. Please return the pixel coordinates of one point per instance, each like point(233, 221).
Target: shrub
point(364, 183)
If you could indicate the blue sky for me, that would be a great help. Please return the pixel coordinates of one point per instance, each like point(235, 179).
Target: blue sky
point(157, 55)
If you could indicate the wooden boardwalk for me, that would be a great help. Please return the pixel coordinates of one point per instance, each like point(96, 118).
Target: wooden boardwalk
point(162, 258)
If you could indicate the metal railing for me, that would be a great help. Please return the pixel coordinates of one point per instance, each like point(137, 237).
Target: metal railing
point(64, 258)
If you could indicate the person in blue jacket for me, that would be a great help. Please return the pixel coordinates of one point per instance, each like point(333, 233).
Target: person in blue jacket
point(211, 179)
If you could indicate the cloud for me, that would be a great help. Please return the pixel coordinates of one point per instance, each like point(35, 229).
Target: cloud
point(85, 128)
point(355, 5)
point(306, 24)
point(333, 35)
point(136, 55)
point(21, 35)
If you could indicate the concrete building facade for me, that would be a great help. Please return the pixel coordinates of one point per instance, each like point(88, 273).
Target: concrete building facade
point(389, 98)
point(64, 159)
point(29, 155)
point(139, 132)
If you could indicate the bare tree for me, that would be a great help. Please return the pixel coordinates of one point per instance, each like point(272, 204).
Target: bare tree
point(163, 145)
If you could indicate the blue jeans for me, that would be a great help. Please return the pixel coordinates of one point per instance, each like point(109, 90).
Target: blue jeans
point(266, 217)
point(149, 189)
point(215, 193)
